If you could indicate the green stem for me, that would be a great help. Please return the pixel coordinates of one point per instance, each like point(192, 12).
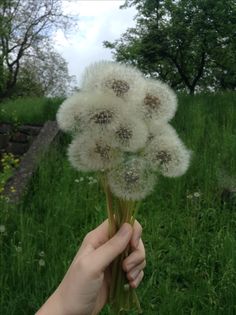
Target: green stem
point(122, 297)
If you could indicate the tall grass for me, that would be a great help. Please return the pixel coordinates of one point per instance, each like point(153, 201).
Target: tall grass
point(29, 110)
point(189, 233)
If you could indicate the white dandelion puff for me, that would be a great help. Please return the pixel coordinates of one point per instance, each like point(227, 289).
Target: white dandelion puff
point(90, 153)
point(92, 181)
point(69, 114)
point(2, 228)
point(115, 79)
point(159, 102)
point(168, 155)
point(130, 135)
point(102, 113)
point(131, 180)
point(94, 111)
point(42, 262)
point(18, 249)
point(159, 129)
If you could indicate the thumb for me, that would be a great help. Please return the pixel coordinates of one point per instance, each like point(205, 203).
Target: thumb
point(106, 253)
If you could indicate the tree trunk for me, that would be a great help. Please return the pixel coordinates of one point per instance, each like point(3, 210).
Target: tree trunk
point(191, 90)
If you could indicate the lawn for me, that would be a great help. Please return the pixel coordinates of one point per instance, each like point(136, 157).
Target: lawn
point(31, 110)
point(188, 230)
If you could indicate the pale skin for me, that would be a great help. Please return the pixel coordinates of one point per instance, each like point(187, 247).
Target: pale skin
point(85, 288)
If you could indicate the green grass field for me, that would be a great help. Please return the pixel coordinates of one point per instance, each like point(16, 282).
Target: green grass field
point(189, 233)
point(29, 110)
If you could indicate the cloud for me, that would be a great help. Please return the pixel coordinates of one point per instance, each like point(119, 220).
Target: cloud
point(98, 21)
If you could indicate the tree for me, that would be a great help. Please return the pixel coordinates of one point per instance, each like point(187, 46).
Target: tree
point(183, 42)
point(44, 74)
point(24, 25)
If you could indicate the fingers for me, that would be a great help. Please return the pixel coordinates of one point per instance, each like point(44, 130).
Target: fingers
point(135, 258)
point(93, 240)
point(135, 283)
point(134, 265)
point(103, 251)
point(133, 273)
point(137, 232)
point(106, 253)
point(98, 236)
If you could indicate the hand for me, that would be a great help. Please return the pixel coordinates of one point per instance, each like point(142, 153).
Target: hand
point(85, 287)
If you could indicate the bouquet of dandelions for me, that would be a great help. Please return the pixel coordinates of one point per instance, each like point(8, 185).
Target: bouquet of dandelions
point(119, 121)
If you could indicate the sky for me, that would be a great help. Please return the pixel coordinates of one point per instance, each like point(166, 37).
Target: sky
point(98, 20)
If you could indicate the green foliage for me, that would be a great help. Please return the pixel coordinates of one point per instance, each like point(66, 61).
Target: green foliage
point(28, 63)
point(189, 234)
point(187, 43)
point(8, 164)
point(31, 110)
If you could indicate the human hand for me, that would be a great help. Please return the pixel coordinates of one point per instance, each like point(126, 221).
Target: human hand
point(85, 287)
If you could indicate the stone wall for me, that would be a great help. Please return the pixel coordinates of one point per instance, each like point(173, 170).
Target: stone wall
point(17, 140)
point(30, 160)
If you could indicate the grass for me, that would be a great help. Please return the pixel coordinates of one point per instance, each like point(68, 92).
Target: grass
point(190, 240)
point(29, 110)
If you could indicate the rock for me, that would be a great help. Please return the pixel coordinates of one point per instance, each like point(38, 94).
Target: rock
point(19, 137)
point(17, 148)
point(4, 139)
point(30, 130)
point(30, 161)
point(5, 128)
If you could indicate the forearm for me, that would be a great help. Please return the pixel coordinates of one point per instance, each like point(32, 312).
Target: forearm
point(52, 306)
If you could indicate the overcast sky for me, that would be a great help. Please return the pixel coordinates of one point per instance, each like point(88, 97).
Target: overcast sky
point(99, 20)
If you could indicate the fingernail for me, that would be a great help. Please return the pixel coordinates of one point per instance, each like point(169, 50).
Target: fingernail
point(137, 239)
point(124, 230)
point(134, 274)
point(136, 242)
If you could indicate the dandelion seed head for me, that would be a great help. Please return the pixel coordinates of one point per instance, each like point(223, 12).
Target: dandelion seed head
point(103, 150)
point(131, 180)
point(152, 102)
point(120, 87)
point(124, 133)
point(115, 79)
point(159, 128)
point(69, 114)
point(159, 102)
point(131, 134)
point(102, 113)
point(168, 155)
point(103, 117)
point(88, 110)
point(163, 157)
point(131, 176)
point(90, 153)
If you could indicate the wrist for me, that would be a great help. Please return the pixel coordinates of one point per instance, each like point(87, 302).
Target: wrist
point(53, 306)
